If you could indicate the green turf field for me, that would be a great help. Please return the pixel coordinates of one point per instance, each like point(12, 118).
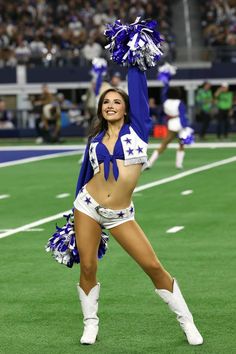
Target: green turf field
point(39, 308)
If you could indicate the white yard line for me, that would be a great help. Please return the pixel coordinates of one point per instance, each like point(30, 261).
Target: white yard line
point(187, 192)
point(174, 229)
point(34, 230)
point(62, 195)
point(34, 224)
point(4, 196)
point(39, 158)
point(145, 186)
point(184, 174)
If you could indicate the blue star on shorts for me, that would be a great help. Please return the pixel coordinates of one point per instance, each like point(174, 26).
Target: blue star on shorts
point(87, 200)
point(121, 214)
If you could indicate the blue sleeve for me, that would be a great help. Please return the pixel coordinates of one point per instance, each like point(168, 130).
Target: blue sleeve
point(86, 171)
point(164, 92)
point(98, 83)
point(183, 115)
point(139, 107)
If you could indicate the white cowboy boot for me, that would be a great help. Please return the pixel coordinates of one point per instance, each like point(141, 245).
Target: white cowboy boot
point(177, 304)
point(179, 158)
point(89, 305)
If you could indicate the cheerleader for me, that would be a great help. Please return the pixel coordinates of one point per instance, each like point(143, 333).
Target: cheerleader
point(113, 160)
point(177, 124)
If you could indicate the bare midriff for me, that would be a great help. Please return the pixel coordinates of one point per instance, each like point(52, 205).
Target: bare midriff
point(114, 194)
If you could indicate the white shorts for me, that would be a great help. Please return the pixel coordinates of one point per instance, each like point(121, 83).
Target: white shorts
point(174, 124)
point(107, 218)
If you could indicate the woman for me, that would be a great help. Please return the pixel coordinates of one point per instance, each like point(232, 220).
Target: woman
point(109, 174)
point(175, 111)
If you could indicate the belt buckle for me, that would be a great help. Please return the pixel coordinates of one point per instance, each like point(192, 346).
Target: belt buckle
point(104, 212)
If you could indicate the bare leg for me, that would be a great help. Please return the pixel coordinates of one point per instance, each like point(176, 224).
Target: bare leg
point(88, 236)
point(134, 241)
point(170, 136)
point(180, 156)
point(131, 237)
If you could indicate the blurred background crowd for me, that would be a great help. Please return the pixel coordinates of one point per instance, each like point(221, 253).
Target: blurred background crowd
point(70, 33)
point(48, 32)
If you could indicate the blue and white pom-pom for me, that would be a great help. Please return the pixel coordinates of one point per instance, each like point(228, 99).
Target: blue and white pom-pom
point(186, 136)
point(62, 244)
point(99, 65)
point(99, 69)
point(137, 44)
point(165, 73)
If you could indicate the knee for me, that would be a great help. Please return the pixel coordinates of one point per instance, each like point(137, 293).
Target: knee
point(88, 268)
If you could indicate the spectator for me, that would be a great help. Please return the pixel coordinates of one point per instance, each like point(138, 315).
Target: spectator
point(51, 119)
point(153, 110)
point(5, 121)
point(204, 100)
point(92, 50)
point(64, 104)
point(90, 102)
point(67, 25)
point(224, 102)
point(45, 98)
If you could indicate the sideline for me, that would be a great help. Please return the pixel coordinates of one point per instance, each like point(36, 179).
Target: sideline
point(39, 158)
point(79, 149)
point(140, 188)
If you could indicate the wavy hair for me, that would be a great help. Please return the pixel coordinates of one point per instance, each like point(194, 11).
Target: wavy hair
point(100, 123)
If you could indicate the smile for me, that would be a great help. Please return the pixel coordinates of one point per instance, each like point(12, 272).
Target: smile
point(111, 112)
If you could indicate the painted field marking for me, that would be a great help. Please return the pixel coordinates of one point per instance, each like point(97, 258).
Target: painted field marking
point(174, 229)
point(4, 196)
point(187, 192)
point(43, 147)
point(34, 224)
point(34, 230)
point(186, 173)
point(62, 195)
point(39, 158)
point(145, 186)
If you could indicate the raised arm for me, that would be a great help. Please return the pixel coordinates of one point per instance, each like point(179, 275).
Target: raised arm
point(183, 115)
point(139, 107)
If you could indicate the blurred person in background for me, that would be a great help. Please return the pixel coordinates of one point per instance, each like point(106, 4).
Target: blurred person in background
point(92, 50)
point(64, 103)
point(204, 100)
point(5, 119)
point(115, 81)
point(51, 119)
point(175, 111)
point(154, 110)
point(45, 98)
point(224, 101)
point(232, 113)
point(90, 101)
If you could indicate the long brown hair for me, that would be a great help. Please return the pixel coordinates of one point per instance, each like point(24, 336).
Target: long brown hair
point(100, 124)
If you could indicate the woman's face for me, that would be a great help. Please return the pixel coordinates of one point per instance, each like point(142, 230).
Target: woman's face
point(113, 107)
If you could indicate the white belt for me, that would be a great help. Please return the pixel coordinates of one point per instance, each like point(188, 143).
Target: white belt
point(114, 214)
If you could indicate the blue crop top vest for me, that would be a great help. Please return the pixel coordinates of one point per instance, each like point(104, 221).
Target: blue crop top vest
point(131, 145)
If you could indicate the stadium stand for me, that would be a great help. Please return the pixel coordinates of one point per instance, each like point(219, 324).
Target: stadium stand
point(52, 42)
point(68, 32)
point(218, 20)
